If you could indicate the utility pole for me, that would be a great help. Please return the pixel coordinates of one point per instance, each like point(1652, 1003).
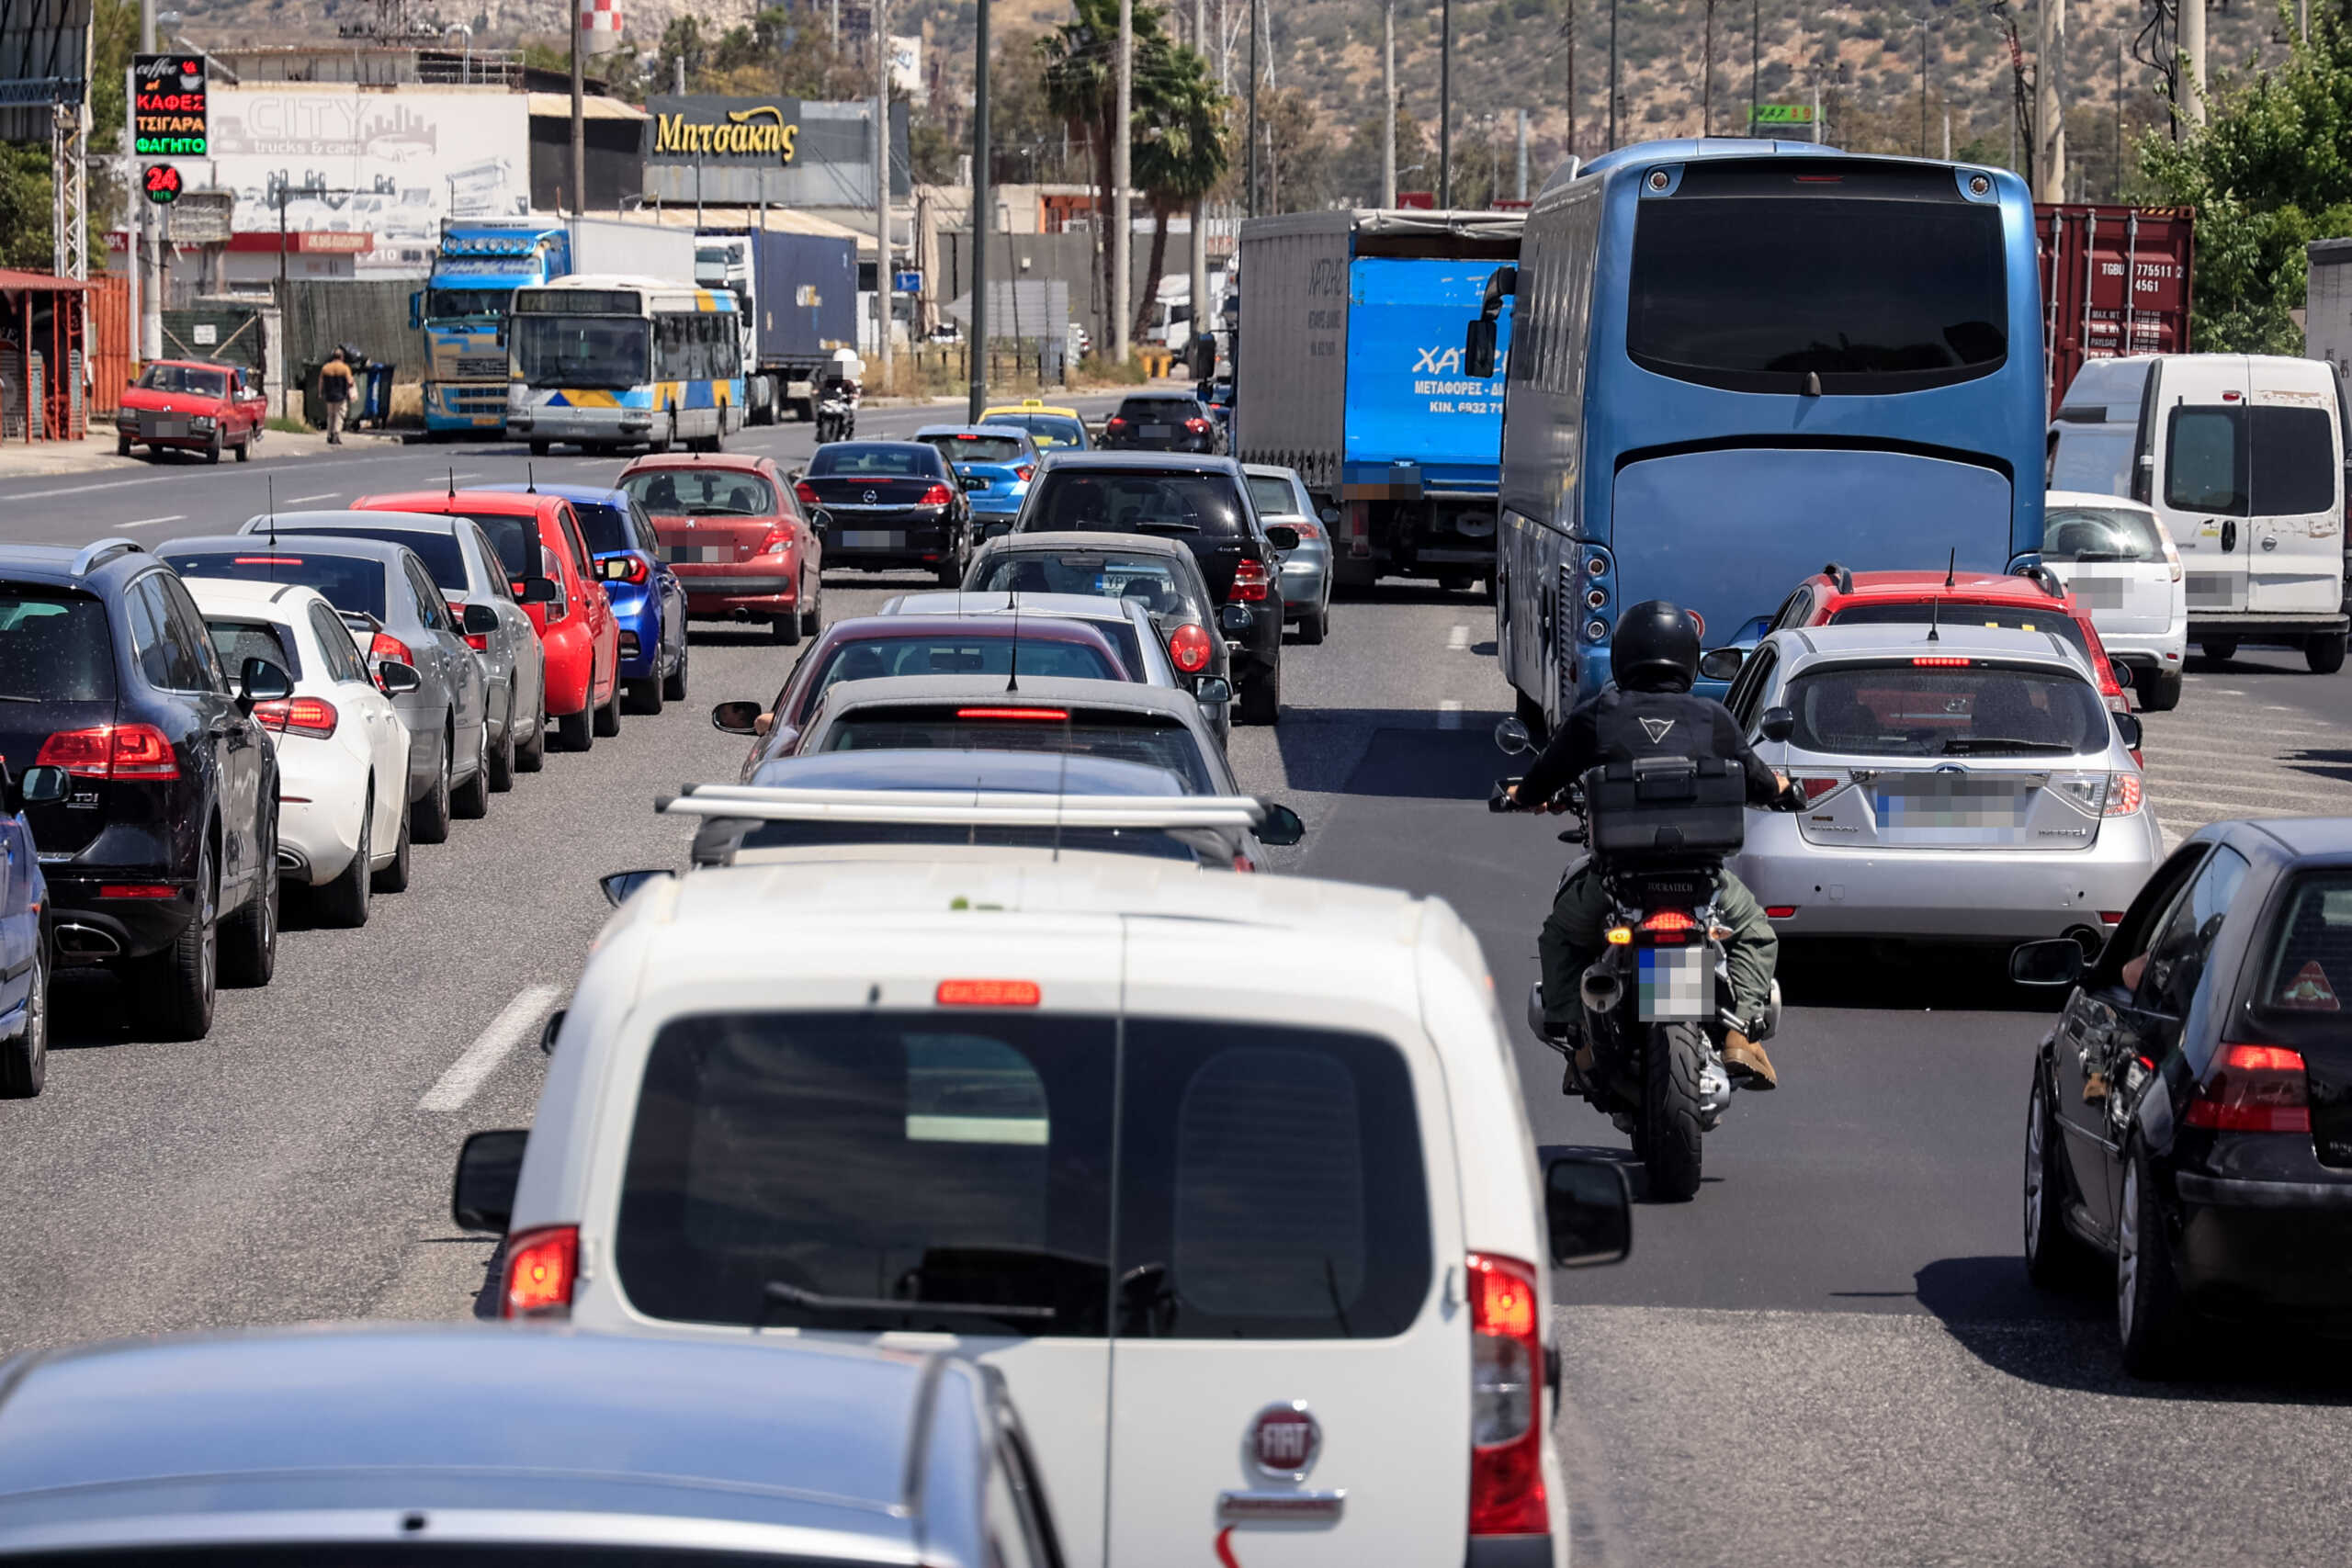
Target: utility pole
point(579, 130)
point(1571, 28)
point(2049, 92)
point(1754, 60)
point(1446, 106)
point(2192, 60)
point(976, 344)
point(1388, 103)
point(1204, 316)
point(1122, 150)
point(1612, 75)
point(881, 189)
point(151, 271)
point(1249, 200)
point(1707, 79)
point(2115, 191)
point(1923, 84)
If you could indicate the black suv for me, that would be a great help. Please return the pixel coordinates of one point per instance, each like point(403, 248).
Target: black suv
point(1204, 502)
point(162, 860)
point(1162, 421)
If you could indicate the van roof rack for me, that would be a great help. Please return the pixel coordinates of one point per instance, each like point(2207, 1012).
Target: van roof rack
point(963, 807)
point(104, 550)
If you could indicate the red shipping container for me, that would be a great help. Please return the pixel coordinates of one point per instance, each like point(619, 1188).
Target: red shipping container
point(2115, 280)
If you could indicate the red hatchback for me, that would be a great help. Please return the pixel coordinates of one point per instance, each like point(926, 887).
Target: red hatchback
point(536, 535)
point(193, 405)
point(731, 530)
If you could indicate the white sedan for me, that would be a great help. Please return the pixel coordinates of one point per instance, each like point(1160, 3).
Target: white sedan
point(343, 826)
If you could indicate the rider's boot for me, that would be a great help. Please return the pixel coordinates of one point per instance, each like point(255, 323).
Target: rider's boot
point(1747, 1063)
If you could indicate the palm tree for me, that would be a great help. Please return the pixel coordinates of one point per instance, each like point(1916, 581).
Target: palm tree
point(1179, 159)
point(1081, 58)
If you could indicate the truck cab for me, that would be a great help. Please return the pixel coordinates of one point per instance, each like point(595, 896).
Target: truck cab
point(462, 311)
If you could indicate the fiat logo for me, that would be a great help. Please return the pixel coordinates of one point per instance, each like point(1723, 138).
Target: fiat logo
point(1283, 1440)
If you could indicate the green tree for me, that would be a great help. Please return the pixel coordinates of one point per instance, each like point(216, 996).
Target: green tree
point(1180, 157)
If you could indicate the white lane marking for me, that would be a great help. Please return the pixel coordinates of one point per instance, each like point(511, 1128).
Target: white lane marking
point(323, 495)
point(475, 475)
point(173, 479)
point(479, 1060)
point(1449, 714)
point(151, 522)
point(1457, 640)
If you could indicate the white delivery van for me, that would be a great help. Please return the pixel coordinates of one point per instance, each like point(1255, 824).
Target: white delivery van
point(2241, 456)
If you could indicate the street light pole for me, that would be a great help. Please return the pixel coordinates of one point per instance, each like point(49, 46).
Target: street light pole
point(976, 346)
point(1388, 103)
point(1122, 171)
point(1250, 196)
point(579, 129)
point(1446, 106)
point(1612, 74)
point(881, 190)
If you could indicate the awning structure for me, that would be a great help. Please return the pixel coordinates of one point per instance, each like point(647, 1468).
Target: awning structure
point(44, 348)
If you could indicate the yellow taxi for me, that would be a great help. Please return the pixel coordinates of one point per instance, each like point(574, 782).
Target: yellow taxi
point(1049, 427)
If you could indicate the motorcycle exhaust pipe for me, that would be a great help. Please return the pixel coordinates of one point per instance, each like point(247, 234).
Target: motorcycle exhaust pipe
point(1601, 990)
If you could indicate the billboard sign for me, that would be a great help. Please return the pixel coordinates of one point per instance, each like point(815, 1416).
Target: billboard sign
point(168, 113)
point(705, 128)
point(44, 61)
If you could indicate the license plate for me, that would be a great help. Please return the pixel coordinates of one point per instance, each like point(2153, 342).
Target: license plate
point(697, 554)
point(2100, 593)
point(1676, 984)
point(1157, 430)
point(872, 539)
point(1988, 803)
point(2210, 589)
point(167, 427)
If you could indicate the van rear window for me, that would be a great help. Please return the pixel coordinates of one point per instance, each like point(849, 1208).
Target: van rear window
point(942, 1170)
point(2233, 461)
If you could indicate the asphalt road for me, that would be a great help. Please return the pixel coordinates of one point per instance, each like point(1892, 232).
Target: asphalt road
point(1832, 1357)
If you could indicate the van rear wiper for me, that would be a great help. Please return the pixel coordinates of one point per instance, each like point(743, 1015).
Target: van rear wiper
point(780, 1293)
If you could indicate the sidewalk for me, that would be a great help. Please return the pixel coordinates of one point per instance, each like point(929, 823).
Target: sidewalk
point(95, 453)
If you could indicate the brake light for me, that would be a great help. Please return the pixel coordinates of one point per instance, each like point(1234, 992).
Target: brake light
point(1023, 471)
point(384, 648)
point(314, 716)
point(1779, 911)
point(1305, 528)
point(1114, 422)
point(808, 493)
point(2252, 1089)
point(111, 752)
point(1506, 1429)
point(1939, 661)
point(268, 560)
point(542, 1266)
point(1249, 583)
point(136, 890)
point(1197, 426)
point(1047, 715)
point(987, 994)
point(774, 540)
point(1669, 921)
point(937, 495)
point(477, 641)
point(2125, 795)
point(1189, 649)
point(1817, 785)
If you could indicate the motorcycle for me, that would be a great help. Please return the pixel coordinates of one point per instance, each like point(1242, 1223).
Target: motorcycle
point(836, 416)
point(1658, 1001)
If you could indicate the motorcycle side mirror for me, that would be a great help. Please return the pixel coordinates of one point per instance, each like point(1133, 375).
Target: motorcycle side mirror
point(1777, 724)
point(1589, 1209)
point(2127, 725)
point(1512, 737)
point(2055, 962)
point(1722, 663)
point(1281, 827)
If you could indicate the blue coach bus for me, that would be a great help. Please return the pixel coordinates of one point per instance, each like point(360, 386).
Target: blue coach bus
point(1734, 361)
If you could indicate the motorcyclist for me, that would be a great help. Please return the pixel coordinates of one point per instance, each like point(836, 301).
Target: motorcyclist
point(1648, 711)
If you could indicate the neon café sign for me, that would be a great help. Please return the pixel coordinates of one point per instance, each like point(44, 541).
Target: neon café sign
point(758, 131)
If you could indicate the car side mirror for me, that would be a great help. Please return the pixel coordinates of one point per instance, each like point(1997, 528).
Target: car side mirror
point(1331, 515)
point(259, 681)
point(1234, 618)
point(1777, 724)
point(2127, 725)
point(1281, 827)
point(395, 679)
point(490, 1168)
point(2122, 673)
point(550, 1030)
point(619, 884)
point(1283, 537)
point(1722, 663)
point(538, 590)
point(1211, 690)
point(479, 620)
point(43, 786)
point(2055, 962)
point(613, 569)
point(737, 718)
point(1478, 348)
point(1589, 1209)
point(1511, 737)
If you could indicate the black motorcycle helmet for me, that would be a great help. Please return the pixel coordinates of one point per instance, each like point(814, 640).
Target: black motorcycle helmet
point(1656, 648)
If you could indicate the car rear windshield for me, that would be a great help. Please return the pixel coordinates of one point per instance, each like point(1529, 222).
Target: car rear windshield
point(2308, 963)
point(185, 378)
point(1148, 738)
point(354, 585)
point(2090, 534)
point(1905, 708)
point(236, 641)
point(841, 459)
point(1876, 280)
point(875, 658)
point(1270, 495)
point(876, 1170)
point(605, 526)
point(1046, 429)
point(2267, 461)
point(1147, 841)
point(975, 448)
point(1914, 611)
point(439, 552)
point(2096, 459)
point(701, 492)
point(517, 540)
point(55, 645)
point(1160, 409)
point(1149, 581)
point(1180, 505)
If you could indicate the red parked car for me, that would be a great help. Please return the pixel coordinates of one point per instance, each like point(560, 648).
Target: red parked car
point(192, 405)
point(731, 529)
point(536, 535)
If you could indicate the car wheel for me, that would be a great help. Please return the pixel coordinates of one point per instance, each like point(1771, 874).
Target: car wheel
point(249, 938)
point(177, 984)
point(432, 813)
point(673, 684)
point(2162, 693)
point(531, 753)
point(2219, 649)
point(245, 449)
point(645, 695)
point(2055, 1257)
point(2148, 1310)
point(502, 756)
point(576, 730)
point(343, 901)
point(23, 1061)
point(609, 718)
point(123, 446)
point(786, 628)
point(2324, 653)
point(1260, 701)
point(393, 878)
point(812, 613)
point(539, 448)
point(212, 448)
point(470, 800)
point(1312, 626)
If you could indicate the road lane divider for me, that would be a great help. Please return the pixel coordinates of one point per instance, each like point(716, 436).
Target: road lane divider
point(1457, 640)
point(151, 522)
point(479, 1060)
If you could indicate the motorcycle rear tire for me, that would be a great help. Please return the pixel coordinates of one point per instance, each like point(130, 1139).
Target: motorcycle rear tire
point(1667, 1135)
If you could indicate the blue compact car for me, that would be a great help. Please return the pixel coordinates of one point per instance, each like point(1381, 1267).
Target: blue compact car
point(24, 941)
point(995, 463)
point(647, 599)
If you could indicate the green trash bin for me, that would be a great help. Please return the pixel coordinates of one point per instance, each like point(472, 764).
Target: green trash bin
point(314, 408)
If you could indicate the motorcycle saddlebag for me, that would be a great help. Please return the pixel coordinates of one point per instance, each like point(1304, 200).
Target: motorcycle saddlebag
point(1666, 808)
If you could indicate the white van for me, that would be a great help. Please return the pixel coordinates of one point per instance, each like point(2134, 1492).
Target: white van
point(1229, 1175)
point(2241, 456)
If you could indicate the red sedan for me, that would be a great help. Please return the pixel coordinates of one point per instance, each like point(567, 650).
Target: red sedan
point(191, 405)
point(536, 535)
point(731, 529)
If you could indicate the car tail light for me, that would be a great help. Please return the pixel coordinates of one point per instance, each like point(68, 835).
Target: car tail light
point(314, 717)
point(1189, 648)
point(1939, 661)
point(2172, 552)
point(1817, 785)
point(1242, 862)
point(1506, 1426)
point(1669, 922)
point(542, 1266)
point(384, 648)
point(2123, 799)
point(1249, 583)
point(1779, 911)
point(808, 493)
point(1114, 422)
point(987, 994)
point(2252, 1089)
point(111, 752)
point(1024, 471)
point(1197, 426)
point(633, 569)
point(937, 495)
point(1307, 528)
point(136, 890)
point(1048, 715)
point(477, 641)
point(774, 540)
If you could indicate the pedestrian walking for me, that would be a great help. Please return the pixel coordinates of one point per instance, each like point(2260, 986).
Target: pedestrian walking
point(334, 390)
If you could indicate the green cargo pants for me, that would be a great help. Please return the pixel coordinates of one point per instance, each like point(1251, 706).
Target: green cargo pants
point(1571, 940)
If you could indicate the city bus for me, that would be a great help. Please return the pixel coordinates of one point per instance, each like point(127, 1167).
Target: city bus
point(607, 361)
point(1732, 362)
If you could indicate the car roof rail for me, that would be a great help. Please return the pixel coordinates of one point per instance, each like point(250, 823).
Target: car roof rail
point(104, 550)
point(1840, 576)
point(963, 807)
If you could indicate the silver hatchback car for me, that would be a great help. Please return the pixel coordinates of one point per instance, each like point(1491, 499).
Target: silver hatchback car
point(1968, 785)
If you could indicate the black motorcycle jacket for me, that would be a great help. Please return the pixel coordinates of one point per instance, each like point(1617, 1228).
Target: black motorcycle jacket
point(1617, 726)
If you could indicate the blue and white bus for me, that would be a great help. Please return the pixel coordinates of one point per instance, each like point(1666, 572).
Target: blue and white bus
point(1734, 361)
point(606, 361)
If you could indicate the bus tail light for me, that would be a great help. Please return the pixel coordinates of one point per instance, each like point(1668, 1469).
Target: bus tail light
point(542, 1267)
point(1506, 1494)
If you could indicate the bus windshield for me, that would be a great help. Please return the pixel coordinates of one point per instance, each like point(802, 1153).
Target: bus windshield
point(583, 351)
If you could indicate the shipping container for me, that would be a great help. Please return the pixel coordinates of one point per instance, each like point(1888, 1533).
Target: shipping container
point(798, 294)
point(2115, 280)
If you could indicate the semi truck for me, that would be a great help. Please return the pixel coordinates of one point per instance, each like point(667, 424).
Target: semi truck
point(477, 268)
point(1348, 367)
point(799, 296)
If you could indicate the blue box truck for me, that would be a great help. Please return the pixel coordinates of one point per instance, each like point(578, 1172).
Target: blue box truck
point(799, 294)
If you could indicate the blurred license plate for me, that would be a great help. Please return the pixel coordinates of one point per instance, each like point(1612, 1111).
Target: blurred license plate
point(166, 427)
point(2100, 593)
point(693, 554)
point(1676, 983)
point(1160, 430)
point(872, 539)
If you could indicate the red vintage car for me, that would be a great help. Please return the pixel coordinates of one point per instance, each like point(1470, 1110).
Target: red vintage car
point(732, 531)
point(193, 405)
point(536, 535)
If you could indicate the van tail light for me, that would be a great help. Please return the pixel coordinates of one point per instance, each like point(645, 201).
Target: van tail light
point(2125, 795)
point(937, 495)
point(314, 716)
point(1189, 649)
point(2252, 1089)
point(111, 752)
point(542, 1266)
point(384, 647)
point(1249, 583)
point(807, 494)
point(1505, 1398)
